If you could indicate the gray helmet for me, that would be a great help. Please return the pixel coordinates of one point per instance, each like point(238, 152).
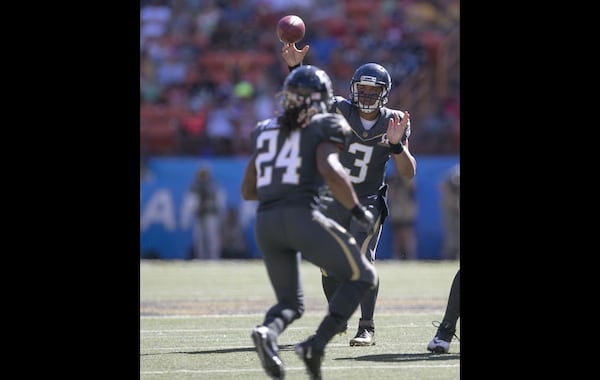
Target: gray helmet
point(307, 87)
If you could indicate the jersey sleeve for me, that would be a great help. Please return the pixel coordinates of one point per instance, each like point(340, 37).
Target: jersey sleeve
point(334, 128)
point(258, 128)
point(340, 105)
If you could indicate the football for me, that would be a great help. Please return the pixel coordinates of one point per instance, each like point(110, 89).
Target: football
point(290, 29)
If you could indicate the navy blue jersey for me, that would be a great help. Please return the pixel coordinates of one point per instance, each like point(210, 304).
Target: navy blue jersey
point(286, 168)
point(368, 151)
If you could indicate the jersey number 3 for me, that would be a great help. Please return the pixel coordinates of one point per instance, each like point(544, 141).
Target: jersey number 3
point(361, 164)
point(287, 158)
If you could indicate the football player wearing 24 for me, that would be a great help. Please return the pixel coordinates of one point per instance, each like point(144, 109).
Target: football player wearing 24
point(378, 134)
point(292, 155)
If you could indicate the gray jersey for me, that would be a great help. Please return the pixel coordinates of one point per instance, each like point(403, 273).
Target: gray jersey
point(288, 181)
point(368, 151)
point(365, 160)
point(286, 167)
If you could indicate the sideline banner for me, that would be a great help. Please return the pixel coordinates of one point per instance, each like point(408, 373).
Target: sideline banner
point(167, 206)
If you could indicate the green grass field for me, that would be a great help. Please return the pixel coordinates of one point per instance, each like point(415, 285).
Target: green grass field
point(196, 318)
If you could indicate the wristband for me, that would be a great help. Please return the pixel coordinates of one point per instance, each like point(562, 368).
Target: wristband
point(396, 148)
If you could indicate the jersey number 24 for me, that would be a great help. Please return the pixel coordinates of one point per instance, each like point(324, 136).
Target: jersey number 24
point(288, 158)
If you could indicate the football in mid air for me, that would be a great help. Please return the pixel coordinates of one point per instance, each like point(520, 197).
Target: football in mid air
point(290, 29)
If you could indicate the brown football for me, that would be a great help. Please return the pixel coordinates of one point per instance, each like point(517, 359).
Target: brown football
point(290, 29)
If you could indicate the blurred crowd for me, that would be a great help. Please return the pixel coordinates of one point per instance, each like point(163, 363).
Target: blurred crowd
point(210, 69)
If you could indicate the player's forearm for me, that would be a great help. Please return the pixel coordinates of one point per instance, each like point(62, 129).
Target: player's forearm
point(337, 179)
point(342, 190)
point(248, 189)
point(406, 165)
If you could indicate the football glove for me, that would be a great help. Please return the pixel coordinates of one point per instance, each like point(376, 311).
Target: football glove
point(364, 217)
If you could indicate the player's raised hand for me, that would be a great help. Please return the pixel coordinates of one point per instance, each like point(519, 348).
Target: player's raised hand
point(396, 127)
point(291, 55)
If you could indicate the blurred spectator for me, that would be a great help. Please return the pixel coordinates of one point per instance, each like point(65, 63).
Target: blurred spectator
point(402, 202)
point(208, 46)
point(438, 132)
point(220, 126)
point(154, 19)
point(450, 197)
point(192, 130)
point(207, 222)
point(232, 237)
point(150, 90)
point(323, 45)
point(264, 106)
point(206, 21)
point(242, 112)
point(171, 71)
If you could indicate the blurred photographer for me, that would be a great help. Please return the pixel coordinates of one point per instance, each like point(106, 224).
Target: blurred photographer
point(207, 222)
point(450, 196)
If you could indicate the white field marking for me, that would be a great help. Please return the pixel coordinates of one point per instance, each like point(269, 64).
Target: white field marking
point(226, 329)
point(341, 344)
point(325, 368)
point(179, 349)
point(201, 316)
point(434, 313)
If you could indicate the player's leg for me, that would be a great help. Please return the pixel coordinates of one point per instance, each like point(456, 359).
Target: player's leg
point(365, 334)
point(342, 305)
point(283, 268)
point(356, 275)
point(330, 285)
point(341, 215)
point(445, 332)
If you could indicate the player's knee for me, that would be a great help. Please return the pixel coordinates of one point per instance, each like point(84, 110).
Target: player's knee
point(370, 276)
